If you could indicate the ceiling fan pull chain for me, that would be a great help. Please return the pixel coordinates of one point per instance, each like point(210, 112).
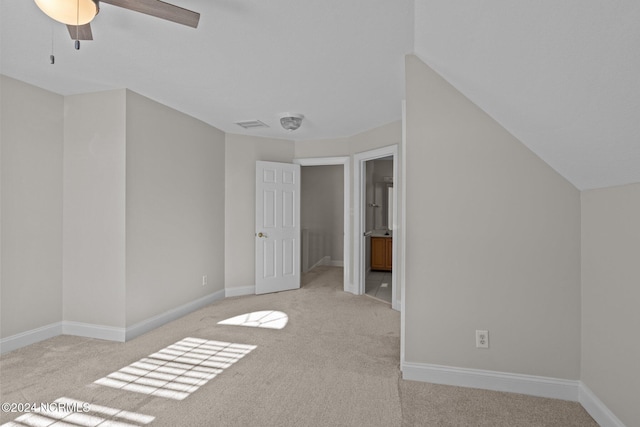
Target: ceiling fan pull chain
point(77, 42)
point(52, 58)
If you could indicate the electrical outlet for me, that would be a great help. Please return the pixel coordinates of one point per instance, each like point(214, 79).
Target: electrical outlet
point(482, 339)
point(204, 280)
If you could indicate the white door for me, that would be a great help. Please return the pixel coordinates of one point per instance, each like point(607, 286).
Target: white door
point(277, 227)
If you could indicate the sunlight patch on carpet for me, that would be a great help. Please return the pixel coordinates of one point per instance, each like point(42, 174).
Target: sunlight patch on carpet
point(178, 370)
point(70, 412)
point(259, 319)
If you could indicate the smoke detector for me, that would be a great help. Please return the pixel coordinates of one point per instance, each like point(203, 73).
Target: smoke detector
point(291, 121)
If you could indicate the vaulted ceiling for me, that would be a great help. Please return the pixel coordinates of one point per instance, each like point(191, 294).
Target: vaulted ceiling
point(563, 77)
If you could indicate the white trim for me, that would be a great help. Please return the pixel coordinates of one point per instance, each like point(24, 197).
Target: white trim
point(403, 227)
point(173, 314)
point(323, 261)
point(598, 410)
point(554, 388)
point(89, 330)
point(532, 385)
point(345, 161)
point(238, 292)
point(326, 260)
point(358, 218)
point(33, 336)
point(103, 332)
point(321, 161)
point(397, 238)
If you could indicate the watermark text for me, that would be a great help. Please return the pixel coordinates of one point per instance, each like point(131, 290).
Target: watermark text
point(45, 407)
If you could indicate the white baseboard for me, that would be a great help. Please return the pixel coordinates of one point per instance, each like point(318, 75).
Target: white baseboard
point(554, 388)
point(323, 261)
point(173, 314)
point(238, 292)
point(102, 332)
point(89, 330)
point(61, 328)
point(326, 260)
point(33, 336)
point(598, 410)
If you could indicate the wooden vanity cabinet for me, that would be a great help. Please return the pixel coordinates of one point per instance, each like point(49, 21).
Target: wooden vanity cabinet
point(381, 253)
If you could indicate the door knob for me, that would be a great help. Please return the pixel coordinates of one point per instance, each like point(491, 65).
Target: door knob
point(261, 234)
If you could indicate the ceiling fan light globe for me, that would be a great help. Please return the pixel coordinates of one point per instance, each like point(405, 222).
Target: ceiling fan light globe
point(70, 12)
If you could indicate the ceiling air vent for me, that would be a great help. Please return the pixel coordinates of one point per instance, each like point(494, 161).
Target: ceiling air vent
point(251, 124)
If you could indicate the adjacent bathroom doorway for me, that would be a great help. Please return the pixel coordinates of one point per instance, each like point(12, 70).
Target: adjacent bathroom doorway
point(378, 236)
point(375, 220)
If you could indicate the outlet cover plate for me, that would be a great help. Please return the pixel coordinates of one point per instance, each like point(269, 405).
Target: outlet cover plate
point(482, 339)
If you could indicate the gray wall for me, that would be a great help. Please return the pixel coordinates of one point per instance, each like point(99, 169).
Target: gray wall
point(31, 138)
point(611, 298)
point(174, 208)
point(143, 209)
point(94, 208)
point(322, 212)
point(112, 209)
point(493, 241)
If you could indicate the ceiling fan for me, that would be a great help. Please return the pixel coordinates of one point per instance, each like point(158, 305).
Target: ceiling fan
point(77, 14)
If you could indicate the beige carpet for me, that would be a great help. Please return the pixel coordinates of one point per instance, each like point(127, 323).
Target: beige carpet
point(335, 363)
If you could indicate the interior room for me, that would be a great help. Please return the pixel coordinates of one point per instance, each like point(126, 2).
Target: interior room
point(130, 146)
point(379, 228)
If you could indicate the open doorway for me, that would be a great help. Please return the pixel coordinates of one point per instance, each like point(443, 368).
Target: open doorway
point(325, 214)
point(321, 216)
point(375, 221)
point(378, 226)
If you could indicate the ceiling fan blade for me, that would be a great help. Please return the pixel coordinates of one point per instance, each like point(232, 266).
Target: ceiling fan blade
point(159, 9)
point(83, 32)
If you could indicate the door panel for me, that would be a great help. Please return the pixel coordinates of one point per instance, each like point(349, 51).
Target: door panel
point(270, 212)
point(288, 201)
point(288, 257)
point(269, 259)
point(277, 227)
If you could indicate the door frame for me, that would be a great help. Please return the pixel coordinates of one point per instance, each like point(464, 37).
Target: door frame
point(359, 190)
point(345, 162)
